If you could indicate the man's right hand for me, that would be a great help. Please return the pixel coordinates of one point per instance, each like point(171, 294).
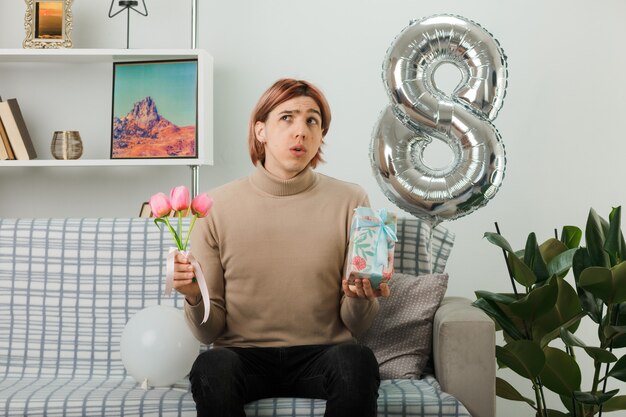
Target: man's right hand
point(184, 279)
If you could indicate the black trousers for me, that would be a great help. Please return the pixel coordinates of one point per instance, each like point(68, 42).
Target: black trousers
point(345, 375)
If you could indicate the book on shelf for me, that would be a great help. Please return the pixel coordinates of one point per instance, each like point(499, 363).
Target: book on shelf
point(6, 152)
point(3, 152)
point(5, 146)
point(16, 130)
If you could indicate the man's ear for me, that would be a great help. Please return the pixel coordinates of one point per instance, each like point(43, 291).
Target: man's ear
point(259, 131)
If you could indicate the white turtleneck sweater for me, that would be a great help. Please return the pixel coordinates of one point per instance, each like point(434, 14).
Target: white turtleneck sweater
point(273, 252)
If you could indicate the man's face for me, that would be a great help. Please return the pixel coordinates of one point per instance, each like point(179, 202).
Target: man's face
point(292, 136)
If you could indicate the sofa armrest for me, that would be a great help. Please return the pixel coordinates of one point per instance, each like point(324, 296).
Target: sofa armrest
point(464, 355)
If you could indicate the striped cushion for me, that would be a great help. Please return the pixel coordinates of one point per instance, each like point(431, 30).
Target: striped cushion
point(421, 250)
point(67, 289)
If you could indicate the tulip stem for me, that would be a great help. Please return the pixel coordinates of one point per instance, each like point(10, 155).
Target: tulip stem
point(180, 229)
point(173, 232)
point(195, 216)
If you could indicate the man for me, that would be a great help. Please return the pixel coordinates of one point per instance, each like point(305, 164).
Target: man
point(273, 249)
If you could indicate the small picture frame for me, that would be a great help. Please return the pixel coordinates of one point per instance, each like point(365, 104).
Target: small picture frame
point(145, 210)
point(48, 24)
point(155, 109)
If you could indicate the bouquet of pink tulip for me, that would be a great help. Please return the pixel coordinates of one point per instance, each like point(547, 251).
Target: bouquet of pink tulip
point(178, 201)
point(161, 208)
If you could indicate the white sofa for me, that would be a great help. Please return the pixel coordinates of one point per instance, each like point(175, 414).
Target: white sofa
point(68, 287)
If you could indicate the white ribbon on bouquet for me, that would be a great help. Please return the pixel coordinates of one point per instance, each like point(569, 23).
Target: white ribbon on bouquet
point(169, 280)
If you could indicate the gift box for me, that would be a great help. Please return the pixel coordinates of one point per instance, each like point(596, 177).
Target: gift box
point(372, 243)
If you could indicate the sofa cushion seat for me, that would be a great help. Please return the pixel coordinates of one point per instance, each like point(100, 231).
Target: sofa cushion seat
point(95, 396)
point(84, 396)
point(396, 398)
point(68, 288)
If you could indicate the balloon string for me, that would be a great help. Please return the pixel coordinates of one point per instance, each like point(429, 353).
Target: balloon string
point(430, 248)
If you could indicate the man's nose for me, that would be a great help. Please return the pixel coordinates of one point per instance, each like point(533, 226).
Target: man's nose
point(300, 129)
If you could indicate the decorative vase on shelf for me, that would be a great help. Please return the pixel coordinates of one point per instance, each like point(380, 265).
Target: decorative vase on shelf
point(66, 144)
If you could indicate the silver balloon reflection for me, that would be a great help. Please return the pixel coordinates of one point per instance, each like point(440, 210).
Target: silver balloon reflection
point(437, 194)
point(420, 112)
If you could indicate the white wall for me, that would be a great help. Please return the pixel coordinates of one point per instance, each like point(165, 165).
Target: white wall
point(560, 122)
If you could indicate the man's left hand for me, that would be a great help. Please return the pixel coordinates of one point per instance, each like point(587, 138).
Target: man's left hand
point(362, 288)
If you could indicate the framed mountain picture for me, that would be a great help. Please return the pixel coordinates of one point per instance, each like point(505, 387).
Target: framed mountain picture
point(155, 109)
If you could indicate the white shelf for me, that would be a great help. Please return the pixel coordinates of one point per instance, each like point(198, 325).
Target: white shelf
point(98, 55)
point(99, 162)
point(75, 57)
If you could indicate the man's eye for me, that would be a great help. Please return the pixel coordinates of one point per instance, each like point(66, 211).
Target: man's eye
point(286, 117)
point(313, 121)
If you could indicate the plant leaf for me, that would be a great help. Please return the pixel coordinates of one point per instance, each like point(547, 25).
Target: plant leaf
point(522, 273)
point(607, 284)
point(595, 237)
point(571, 236)
point(561, 263)
point(537, 302)
point(618, 371)
point(615, 404)
point(159, 220)
point(523, 357)
point(492, 296)
point(534, 260)
point(551, 248)
point(614, 239)
point(554, 333)
point(499, 317)
point(623, 243)
point(594, 399)
point(570, 339)
point(618, 274)
point(507, 391)
point(581, 261)
point(598, 354)
point(618, 341)
point(529, 250)
point(589, 303)
point(498, 240)
point(567, 312)
point(166, 222)
point(598, 281)
point(561, 373)
point(613, 332)
point(569, 403)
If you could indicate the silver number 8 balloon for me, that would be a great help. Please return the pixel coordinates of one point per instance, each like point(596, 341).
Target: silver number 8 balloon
point(420, 112)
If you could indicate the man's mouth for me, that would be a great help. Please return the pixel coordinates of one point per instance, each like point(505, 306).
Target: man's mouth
point(298, 149)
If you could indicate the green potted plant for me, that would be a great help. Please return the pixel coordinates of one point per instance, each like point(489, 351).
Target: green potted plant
point(540, 317)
